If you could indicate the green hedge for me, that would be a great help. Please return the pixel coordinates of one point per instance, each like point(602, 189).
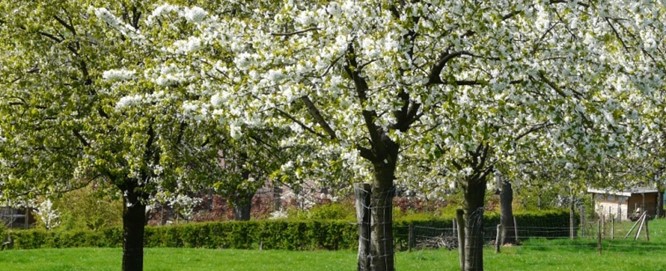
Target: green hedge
point(280, 234)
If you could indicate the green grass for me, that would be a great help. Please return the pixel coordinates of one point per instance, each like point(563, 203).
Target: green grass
point(538, 255)
point(579, 255)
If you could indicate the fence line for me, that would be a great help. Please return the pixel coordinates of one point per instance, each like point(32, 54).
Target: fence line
point(422, 237)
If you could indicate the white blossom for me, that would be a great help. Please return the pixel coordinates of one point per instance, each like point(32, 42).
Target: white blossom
point(235, 131)
point(158, 11)
point(194, 14)
point(129, 101)
point(189, 107)
point(113, 21)
point(118, 75)
point(186, 46)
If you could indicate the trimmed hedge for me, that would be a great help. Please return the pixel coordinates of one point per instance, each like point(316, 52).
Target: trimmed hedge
point(280, 234)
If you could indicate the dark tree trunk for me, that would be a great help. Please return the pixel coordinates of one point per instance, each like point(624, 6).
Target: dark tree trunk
point(241, 200)
point(506, 210)
point(474, 193)
point(383, 155)
point(381, 229)
point(242, 205)
point(134, 222)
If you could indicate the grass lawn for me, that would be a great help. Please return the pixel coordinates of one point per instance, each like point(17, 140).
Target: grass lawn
point(579, 255)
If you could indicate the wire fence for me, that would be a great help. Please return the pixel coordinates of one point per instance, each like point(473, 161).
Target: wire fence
point(587, 235)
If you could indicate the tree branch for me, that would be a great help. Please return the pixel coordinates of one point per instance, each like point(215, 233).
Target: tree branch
point(369, 116)
point(556, 88)
point(445, 57)
point(288, 34)
point(80, 137)
point(66, 25)
point(617, 34)
point(567, 1)
point(407, 115)
point(366, 153)
point(533, 129)
point(286, 115)
point(316, 114)
point(50, 36)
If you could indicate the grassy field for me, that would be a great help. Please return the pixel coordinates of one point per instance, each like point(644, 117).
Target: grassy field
point(579, 255)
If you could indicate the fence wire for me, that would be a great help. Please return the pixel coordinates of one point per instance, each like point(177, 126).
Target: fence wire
point(613, 235)
point(380, 204)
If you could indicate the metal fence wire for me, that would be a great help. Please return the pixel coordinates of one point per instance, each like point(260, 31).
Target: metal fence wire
point(589, 232)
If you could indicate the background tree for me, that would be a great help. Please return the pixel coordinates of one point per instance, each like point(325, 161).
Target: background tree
point(90, 208)
point(74, 111)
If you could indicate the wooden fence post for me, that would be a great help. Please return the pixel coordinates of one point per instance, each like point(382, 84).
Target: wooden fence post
point(602, 219)
point(582, 221)
point(640, 227)
point(515, 230)
point(612, 227)
point(411, 239)
point(572, 219)
point(647, 229)
point(498, 238)
point(599, 237)
point(362, 193)
point(461, 237)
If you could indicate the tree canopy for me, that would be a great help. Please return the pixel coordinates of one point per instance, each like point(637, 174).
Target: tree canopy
point(420, 94)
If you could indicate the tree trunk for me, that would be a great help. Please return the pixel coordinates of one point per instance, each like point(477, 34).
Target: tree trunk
point(242, 205)
point(506, 210)
point(474, 192)
point(381, 235)
point(384, 156)
point(134, 222)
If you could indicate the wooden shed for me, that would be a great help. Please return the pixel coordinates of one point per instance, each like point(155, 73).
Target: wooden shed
point(16, 217)
point(623, 205)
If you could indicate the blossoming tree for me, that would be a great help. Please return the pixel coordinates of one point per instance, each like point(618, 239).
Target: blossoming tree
point(450, 89)
point(74, 110)
point(446, 88)
point(457, 84)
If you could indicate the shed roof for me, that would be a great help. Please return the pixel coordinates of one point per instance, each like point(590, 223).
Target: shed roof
point(626, 193)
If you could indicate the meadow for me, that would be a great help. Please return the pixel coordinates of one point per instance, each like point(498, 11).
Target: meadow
point(535, 254)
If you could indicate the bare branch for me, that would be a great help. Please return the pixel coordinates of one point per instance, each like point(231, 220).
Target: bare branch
point(533, 129)
point(316, 114)
point(366, 153)
point(353, 71)
point(567, 1)
point(407, 115)
point(445, 57)
point(288, 34)
point(50, 36)
point(66, 25)
point(617, 35)
point(556, 88)
point(80, 137)
point(290, 117)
